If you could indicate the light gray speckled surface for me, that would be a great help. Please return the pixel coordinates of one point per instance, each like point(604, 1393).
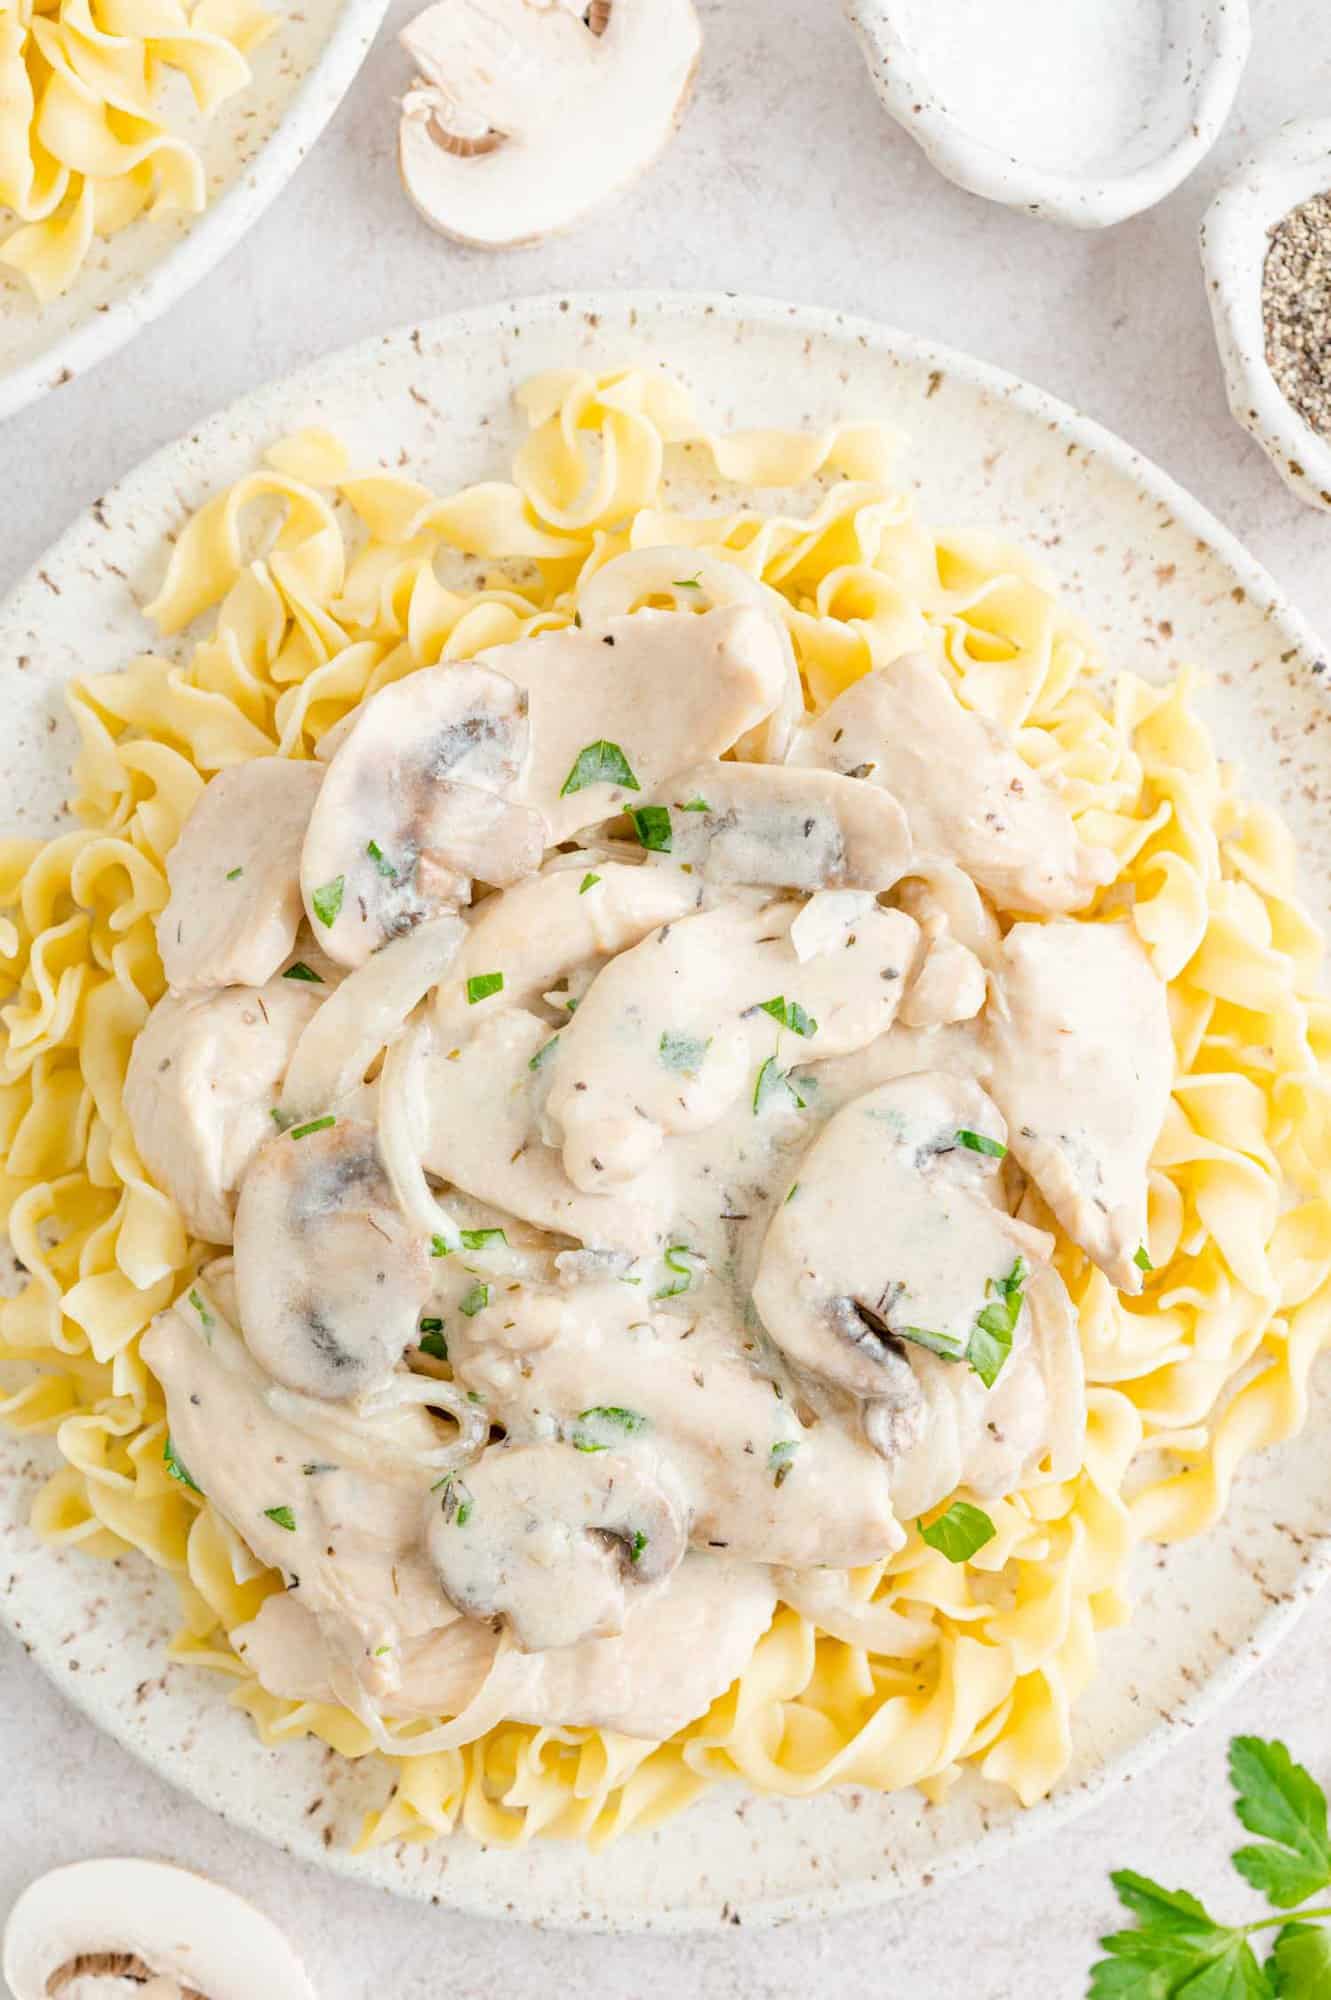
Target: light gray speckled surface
point(787, 179)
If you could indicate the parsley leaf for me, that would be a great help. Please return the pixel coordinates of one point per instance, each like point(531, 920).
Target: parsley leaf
point(302, 971)
point(979, 1142)
point(781, 1458)
point(176, 1466)
point(432, 1341)
point(327, 901)
point(1142, 1258)
point(1279, 1800)
point(682, 1052)
point(695, 806)
point(483, 985)
point(477, 1299)
point(589, 1431)
point(772, 1081)
point(1301, 1962)
point(315, 1125)
point(790, 1015)
point(599, 763)
point(544, 1053)
point(995, 1324)
point(232, 873)
point(381, 860)
point(283, 1517)
point(637, 1545)
point(588, 881)
point(677, 1258)
point(959, 1532)
point(652, 826)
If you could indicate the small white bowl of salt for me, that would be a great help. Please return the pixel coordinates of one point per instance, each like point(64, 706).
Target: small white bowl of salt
point(1266, 249)
point(1082, 111)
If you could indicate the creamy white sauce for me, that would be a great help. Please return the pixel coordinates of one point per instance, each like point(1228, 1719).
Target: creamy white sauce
point(658, 1269)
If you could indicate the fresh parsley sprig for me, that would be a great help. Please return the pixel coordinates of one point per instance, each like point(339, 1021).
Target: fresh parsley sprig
point(1178, 1949)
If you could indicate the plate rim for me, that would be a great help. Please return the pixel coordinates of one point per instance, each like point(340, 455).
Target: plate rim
point(218, 229)
point(1201, 1702)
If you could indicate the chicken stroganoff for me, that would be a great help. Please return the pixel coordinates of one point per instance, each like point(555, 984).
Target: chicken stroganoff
point(685, 1121)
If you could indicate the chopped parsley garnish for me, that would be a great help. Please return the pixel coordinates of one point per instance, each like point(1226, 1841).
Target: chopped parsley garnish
point(1142, 1258)
point(772, 1081)
point(327, 901)
point(677, 1262)
point(477, 1299)
point(602, 1417)
point(233, 873)
point(687, 582)
point(457, 1502)
point(432, 1340)
point(780, 1459)
point(283, 1517)
point(315, 1125)
point(196, 1300)
point(959, 1532)
point(978, 1142)
point(652, 826)
point(991, 1336)
point(302, 971)
point(599, 763)
point(637, 1545)
point(177, 1467)
point(588, 881)
point(682, 1052)
point(483, 985)
point(790, 1015)
point(380, 860)
point(695, 806)
point(945, 1345)
point(468, 1239)
point(544, 1053)
point(794, 1190)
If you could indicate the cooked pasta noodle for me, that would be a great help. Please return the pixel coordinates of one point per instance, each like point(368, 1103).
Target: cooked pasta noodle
point(84, 147)
point(322, 586)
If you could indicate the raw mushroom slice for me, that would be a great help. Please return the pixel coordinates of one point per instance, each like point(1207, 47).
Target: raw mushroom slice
point(330, 1278)
point(234, 876)
point(694, 581)
point(892, 1245)
point(414, 803)
point(204, 1075)
point(553, 1540)
point(515, 126)
point(537, 933)
point(763, 1481)
point(483, 1134)
point(968, 796)
point(1083, 1066)
point(781, 828)
point(674, 1031)
point(92, 1931)
point(615, 711)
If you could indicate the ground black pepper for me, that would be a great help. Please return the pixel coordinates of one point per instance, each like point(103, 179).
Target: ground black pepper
point(1296, 309)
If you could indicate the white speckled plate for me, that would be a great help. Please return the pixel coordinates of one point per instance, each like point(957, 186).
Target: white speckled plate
point(250, 148)
point(1162, 581)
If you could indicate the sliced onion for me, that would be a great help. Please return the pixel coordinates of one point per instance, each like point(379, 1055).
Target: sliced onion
point(402, 1138)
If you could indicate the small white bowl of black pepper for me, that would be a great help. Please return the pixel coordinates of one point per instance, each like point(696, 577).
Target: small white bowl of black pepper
point(1266, 249)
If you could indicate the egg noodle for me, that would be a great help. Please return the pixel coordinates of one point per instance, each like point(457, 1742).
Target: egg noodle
point(326, 585)
point(83, 146)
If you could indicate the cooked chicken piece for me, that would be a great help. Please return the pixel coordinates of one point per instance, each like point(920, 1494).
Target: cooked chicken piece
point(414, 802)
point(673, 1031)
point(967, 795)
point(679, 1394)
point(782, 828)
point(949, 980)
point(891, 1243)
point(1083, 1064)
point(553, 1539)
point(483, 1127)
point(204, 1076)
point(330, 1277)
point(613, 713)
point(234, 876)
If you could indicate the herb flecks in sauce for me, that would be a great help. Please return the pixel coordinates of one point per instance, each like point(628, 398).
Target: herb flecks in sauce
point(599, 763)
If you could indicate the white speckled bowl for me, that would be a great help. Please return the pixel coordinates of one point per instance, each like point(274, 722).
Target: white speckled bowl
point(1235, 237)
point(250, 148)
point(1122, 97)
point(1161, 579)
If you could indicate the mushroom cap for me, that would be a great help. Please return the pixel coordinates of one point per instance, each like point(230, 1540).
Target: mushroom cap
point(517, 126)
point(779, 826)
point(180, 1924)
point(554, 1539)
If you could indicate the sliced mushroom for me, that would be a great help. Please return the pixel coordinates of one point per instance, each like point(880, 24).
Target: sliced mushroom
point(615, 711)
point(483, 1134)
point(514, 127)
point(413, 804)
point(330, 1278)
point(891, 1244)
point(204, 1075)
point(99, 1929)
point(782, 828)
point(1083, 1065)
point(968, 796)
point(675, 1030)
point(694, 581)
point(938, 895)
point(539, 932)
point(553, 1540)
point(767, 1475)
point(234, 876)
